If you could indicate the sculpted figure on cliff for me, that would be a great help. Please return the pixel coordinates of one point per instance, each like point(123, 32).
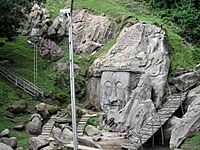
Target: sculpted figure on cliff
point(133, 75)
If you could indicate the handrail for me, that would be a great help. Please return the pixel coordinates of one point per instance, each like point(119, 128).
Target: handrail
point(24, 84)
point(138, 134)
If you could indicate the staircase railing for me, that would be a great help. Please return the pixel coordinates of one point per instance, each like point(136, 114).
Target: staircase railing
point(22, 83)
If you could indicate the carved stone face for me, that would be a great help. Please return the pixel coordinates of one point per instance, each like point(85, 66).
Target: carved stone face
point(114, 90)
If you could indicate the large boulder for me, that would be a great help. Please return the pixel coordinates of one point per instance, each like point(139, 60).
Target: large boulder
point(35, 124)
point(188, 125)
point(50, 50)
point(5, 147)
point(42, 109)
point(62, 134)
point(133, 76)
point(91, 32)
point(91, 130)
point(12, 141)
point(19, 106)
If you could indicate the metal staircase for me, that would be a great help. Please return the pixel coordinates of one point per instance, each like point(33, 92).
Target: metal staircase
point(20, 82)
point(157, 119)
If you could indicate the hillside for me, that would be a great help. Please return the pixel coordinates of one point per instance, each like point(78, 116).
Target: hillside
point(20, 57)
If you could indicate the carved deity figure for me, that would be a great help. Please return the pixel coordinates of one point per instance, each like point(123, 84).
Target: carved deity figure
point(114, 90)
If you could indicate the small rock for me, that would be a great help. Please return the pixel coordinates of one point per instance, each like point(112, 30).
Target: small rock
point(91, 130)
point(5, 133)
point(12, 142)
point(5, 147)
point(19, 127)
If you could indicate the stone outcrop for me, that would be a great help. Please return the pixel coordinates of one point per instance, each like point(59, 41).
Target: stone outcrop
point(133, 76)
point(91, 32)
point(187, 80)
point(39, 18)
point(188, 124)
point(10, 141)
point(49, 49)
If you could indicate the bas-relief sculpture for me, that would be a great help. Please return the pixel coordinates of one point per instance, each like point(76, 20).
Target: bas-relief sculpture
point(133, 75)
point(115, 90)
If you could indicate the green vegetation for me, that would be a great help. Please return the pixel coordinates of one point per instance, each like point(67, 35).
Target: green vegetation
point(94, 121)
point(192, 143)
point(20, 54)
point(12, 16)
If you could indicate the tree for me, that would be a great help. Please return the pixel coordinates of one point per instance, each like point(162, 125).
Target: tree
point(12, 15)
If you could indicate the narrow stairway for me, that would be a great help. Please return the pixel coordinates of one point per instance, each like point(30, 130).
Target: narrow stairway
point(48, 127)
point(83, 122)
point(135, 140)
point(23, 84)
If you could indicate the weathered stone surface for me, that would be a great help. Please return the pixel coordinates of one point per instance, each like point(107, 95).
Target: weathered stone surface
point(35, 124)
point(187, 80)
point(50, 50)
point(17, 107)
point(5, 147)
point(62, 134)
point(133, 76)
point(91, 130)
point(39, 18)
point(5, 133)
point(88, 141)
point(93, 92)
point(192, 95)
point(61, 67)
point(189, 124)
point(91, 32)
point(42, 109)
point(169, 126)
point(12, 141)
point(36, 143)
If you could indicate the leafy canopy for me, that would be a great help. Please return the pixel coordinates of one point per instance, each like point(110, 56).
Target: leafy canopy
point(12, 15)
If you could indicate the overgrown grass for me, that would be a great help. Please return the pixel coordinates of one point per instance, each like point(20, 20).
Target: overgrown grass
point(20, 55)
point(192, 143)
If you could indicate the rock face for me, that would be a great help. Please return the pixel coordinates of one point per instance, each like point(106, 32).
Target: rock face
point(5, 133)
point(35, 124)
point(133, 75)
point(50, 50)
point(39, 18)
point(91, 32)
point(189, 123)
point(187, 80)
